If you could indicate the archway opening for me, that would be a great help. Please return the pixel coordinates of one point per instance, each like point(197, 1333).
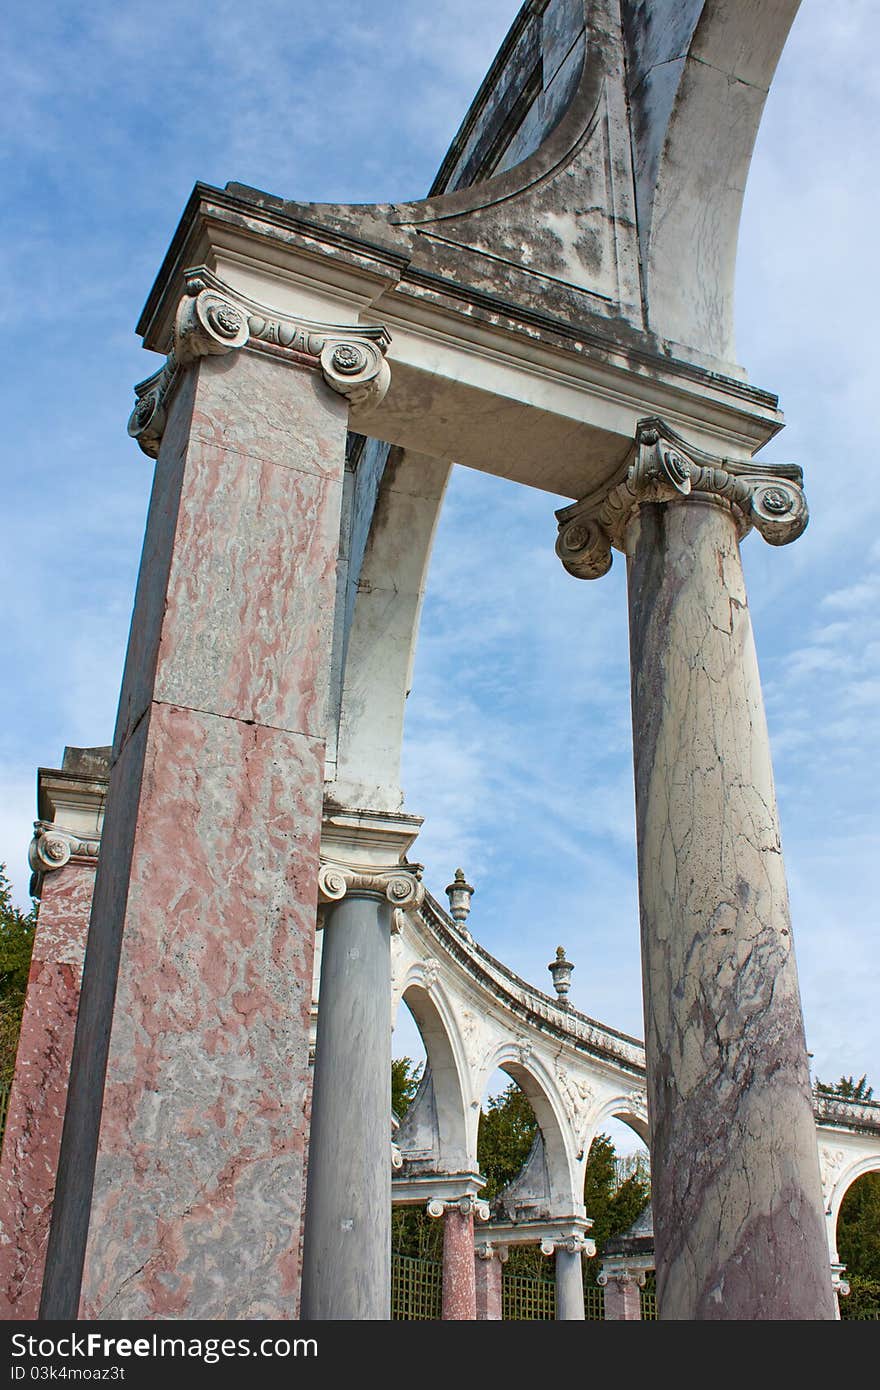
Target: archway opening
point(617, 1186)
point(858, 1245)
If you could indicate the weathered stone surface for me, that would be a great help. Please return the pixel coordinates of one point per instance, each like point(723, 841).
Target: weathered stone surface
point(459, 1287)
point(488, 1275)
point(735, 1181)
point(622, 1300)
point(206, 894)
point(569, 1285)
point(32, 1138)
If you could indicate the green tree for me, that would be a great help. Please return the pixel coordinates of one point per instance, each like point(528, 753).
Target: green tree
point(405, 1077)
point(847, 1088)
point(858, 1229)
point(16, 945)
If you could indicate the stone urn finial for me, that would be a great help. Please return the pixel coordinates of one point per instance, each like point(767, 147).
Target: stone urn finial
point(561, 969)
point(460, 893)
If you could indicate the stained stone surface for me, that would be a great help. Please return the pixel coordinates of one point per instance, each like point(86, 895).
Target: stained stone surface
point(735, 1179)
point(459, 1287)
point(39, 1091)
point(206, 892)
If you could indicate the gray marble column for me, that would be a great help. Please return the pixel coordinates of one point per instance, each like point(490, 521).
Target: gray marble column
point(347, 1243)
point(569, 1284)
point(735, 1177)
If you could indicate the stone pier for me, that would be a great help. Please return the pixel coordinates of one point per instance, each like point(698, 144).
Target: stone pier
point(459, 1275)
point(735, 1176)
point(63, 856)
point(181, 1160)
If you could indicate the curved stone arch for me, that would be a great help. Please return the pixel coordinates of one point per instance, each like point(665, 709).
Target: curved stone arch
point(850, 1175)
point(631, 1109)
point(538, 1084)
point(380, 645)
point(699, 76)
point(435, 1019)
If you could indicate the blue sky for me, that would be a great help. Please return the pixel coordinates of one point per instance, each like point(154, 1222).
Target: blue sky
point(518, 737)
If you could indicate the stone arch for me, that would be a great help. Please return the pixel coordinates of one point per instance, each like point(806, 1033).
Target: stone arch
point(537, 1083)
point(699, 73)
point(842, 1185)
point(435, 1020)
point(631, 1109)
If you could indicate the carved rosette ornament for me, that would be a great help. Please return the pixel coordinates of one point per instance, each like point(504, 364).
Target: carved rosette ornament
point(664, 468)
point(213, 318)
point(400, 883)
point(52, 847)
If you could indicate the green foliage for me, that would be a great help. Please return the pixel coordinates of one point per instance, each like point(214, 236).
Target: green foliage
point(507, 1132)
point(847, 1088)
point(613, 1199)
point(863, 1301)
point(16, 944)
point(858, 1229)
point(405, 1077)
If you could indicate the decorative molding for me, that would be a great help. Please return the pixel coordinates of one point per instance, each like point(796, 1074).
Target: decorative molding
point(574, 1245)
point(622, 1274)
point(467, 1205)
point(491, 1250)
point(663, 467)
point(399, 883)
point(52, 847)
point(213, 318)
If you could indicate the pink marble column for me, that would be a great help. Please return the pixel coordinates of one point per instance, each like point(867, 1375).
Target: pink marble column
point(181, 1168)
point(488, 1276)
point(459, 1290)
point(39, 1089)
point(622, 1300)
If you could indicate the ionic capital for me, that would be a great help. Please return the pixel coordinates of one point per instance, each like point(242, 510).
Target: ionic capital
point(52, 847)
point(622, 1275)
point(213, 318)
point(491, 1250)
point(574, 1245)
point(663, 467)
point(466, 1205)
point(399, 883)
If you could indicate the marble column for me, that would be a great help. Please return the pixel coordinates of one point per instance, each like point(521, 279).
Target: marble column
point(182, 1152)
point(347, 1239)
point(622, 1299)
point(569, 1281)
point(63, 857)
point(735, 1177)
point(488, 1282)
point(459, 1275)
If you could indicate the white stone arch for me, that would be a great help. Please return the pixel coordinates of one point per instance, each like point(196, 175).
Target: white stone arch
point(435, 1018)
point(842, 1184)
point(537, 1082)
point(631, 1108)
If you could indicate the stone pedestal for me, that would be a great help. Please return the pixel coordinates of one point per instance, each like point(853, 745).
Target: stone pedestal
point(488, 1282)
point(735, 1179)
point(181, 1168)
point(64, 858)
point(459, 1275)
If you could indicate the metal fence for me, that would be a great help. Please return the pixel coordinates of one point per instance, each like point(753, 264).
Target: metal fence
point(416, 1289)
point(527, 1300)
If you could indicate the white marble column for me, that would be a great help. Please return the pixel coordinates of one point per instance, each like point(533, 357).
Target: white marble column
point(735, 1177)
